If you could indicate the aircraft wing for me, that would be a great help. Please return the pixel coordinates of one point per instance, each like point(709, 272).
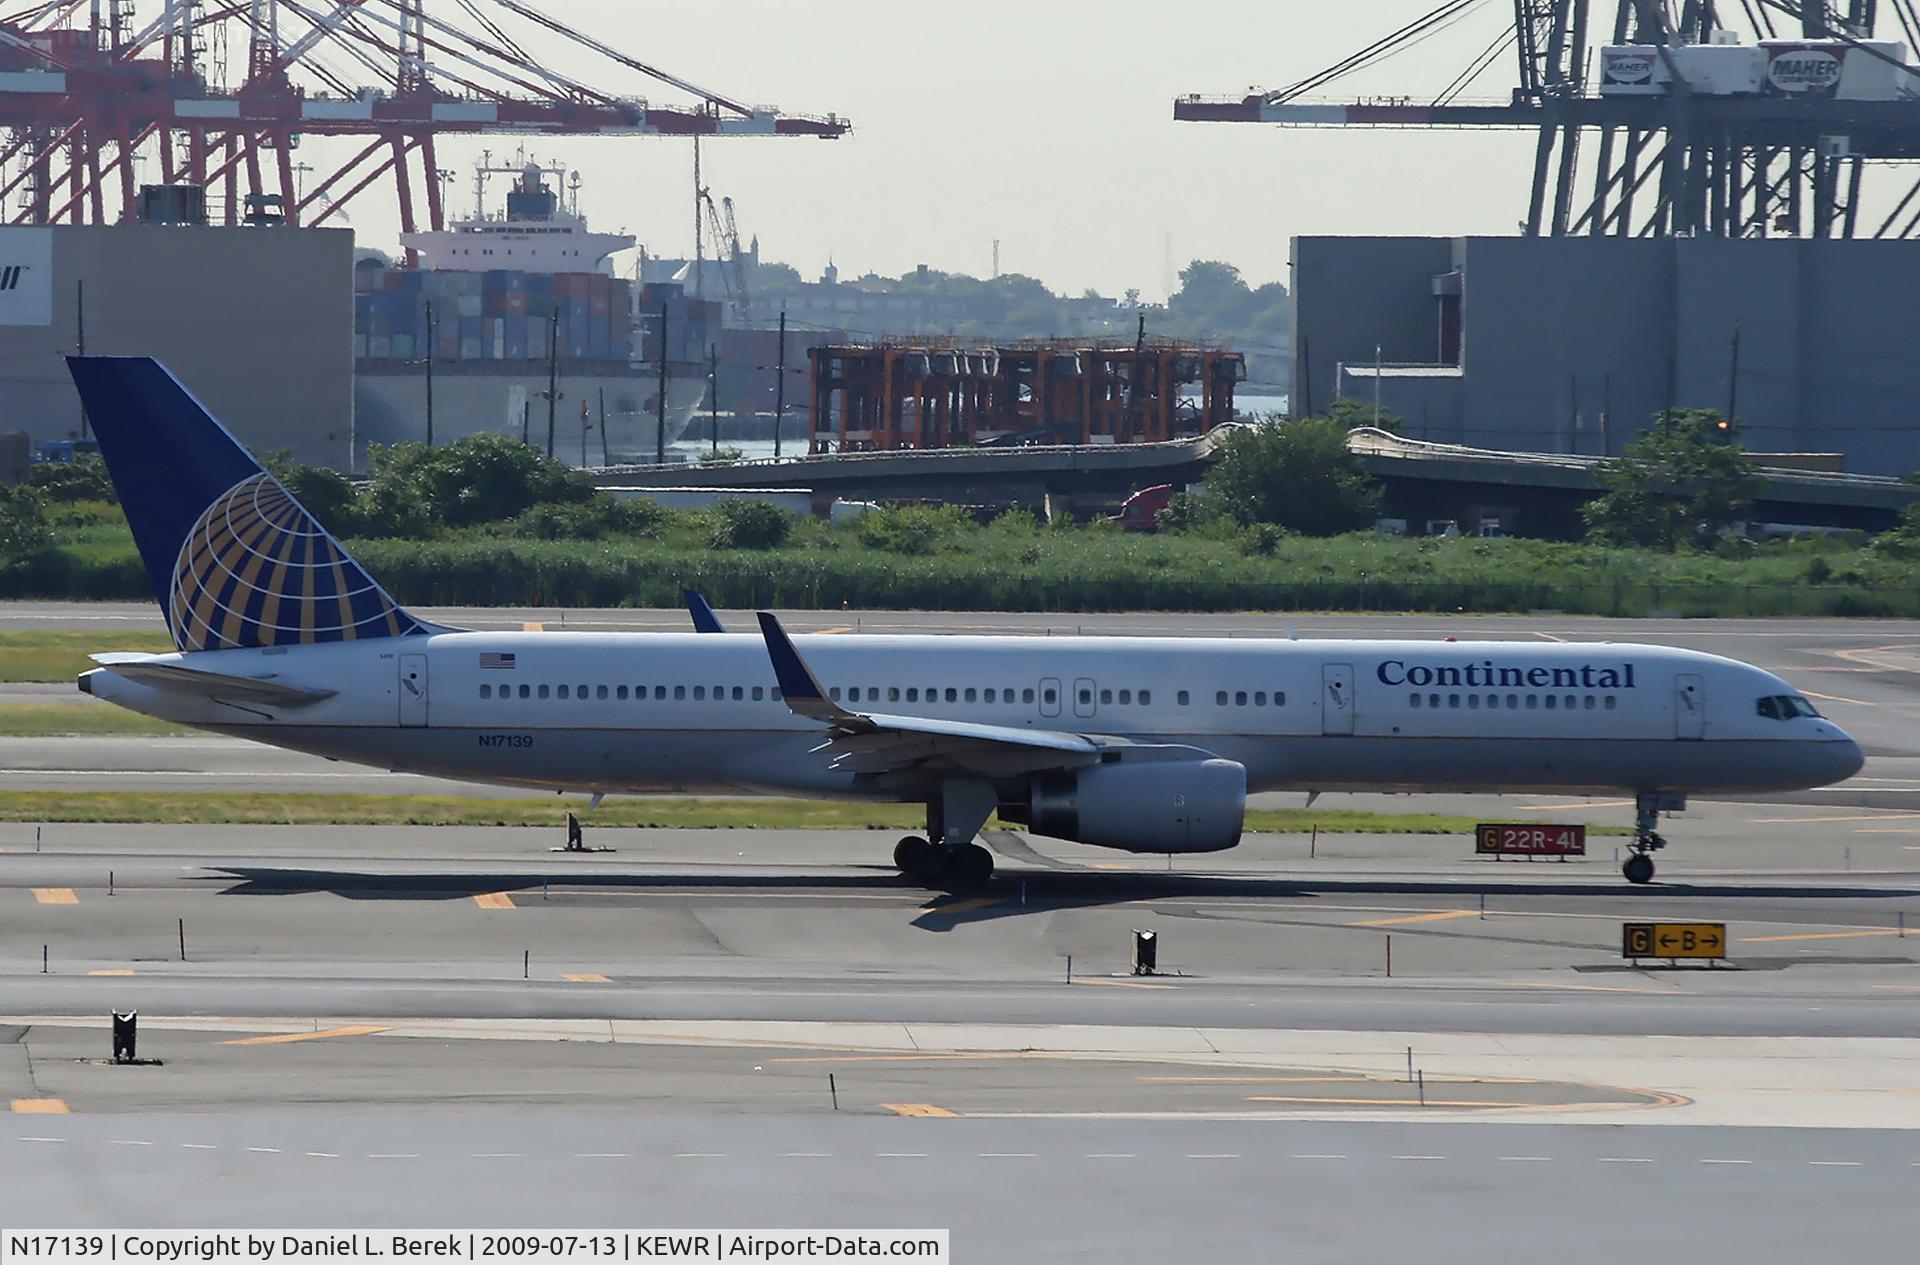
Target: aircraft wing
point(874, 742)
point(217, 686)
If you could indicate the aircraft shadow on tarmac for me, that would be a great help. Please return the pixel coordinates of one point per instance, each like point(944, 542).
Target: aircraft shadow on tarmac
point(1006, 896)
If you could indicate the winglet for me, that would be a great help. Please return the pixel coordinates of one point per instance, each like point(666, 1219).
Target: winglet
point(797, 684)
point(704, 620)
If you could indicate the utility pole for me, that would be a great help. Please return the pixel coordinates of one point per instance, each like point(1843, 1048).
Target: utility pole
point(553, 374)
point(1733, 379)
point(433, 336)
point(660, 436)
point(605, 458)
point(1376, 386)
point(780, 385)
point(713, 394)
point(80, 322)
point(586, 424)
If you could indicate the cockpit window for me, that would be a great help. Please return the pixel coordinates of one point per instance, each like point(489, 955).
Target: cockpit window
point(1786, 707)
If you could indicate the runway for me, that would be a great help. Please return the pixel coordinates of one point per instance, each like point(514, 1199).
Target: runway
point(413, 1026)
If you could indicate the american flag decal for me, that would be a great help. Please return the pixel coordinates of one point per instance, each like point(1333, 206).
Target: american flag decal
point(492, 659)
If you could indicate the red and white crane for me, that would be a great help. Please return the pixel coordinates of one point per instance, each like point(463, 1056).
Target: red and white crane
point(87, 91)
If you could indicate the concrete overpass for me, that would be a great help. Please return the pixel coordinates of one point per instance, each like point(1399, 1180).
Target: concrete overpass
point(1540, 492)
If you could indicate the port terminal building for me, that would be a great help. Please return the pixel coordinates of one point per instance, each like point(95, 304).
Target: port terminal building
point(258, 321)
point(1576, 344)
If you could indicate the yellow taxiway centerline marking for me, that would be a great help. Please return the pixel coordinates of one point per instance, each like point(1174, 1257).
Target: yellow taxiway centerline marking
point(832, 632)
point(960, 906)
point(41, 1106)
point(289, 1038)
point(1822, 935)
point(494, 900)
point(1860, 656)
point(532, 626)
point(114, 971)
point(1247, 1079)
point(920, 1109)
point(55, 896)
point(1442, 916)
point(1391, 1102)
point(1120, 983)
point(586, 978)
point(1835, 698)
point(1549, 636)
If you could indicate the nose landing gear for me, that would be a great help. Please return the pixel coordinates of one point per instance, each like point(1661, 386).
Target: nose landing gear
point(1647, 839)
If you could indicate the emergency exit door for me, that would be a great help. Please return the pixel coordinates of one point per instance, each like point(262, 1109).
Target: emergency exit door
point(413, 690)
point(1336, 698)
point(1689, 706)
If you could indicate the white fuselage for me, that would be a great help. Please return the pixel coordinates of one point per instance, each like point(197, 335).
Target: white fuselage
point(624, 712)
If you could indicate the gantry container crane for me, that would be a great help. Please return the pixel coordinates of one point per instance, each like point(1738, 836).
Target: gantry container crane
point(86, 92)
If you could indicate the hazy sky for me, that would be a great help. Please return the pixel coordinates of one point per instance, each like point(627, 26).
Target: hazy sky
point(1044, 123)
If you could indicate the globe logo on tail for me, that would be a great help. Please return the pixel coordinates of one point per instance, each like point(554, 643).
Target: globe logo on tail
point(257, 570)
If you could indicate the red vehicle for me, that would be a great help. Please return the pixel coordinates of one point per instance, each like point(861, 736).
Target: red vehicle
point(1142, 510)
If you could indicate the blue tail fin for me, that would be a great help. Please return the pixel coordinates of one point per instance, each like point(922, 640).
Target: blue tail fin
point(235, 561)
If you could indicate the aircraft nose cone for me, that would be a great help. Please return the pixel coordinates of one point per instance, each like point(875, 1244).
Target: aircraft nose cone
point(1842, 758)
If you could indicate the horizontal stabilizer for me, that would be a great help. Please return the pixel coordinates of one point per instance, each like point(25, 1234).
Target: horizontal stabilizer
point(217, 686)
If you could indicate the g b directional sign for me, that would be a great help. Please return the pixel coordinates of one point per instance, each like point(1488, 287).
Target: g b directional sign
point(1704, 940)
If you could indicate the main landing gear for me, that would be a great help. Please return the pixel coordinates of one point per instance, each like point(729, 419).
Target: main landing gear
point(1646, 836)
point(968, 865)
point(948, 857)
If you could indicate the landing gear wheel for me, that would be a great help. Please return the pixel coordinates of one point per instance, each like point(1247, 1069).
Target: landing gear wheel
point(1639, 868)
point(916, 858)
point(971, 866)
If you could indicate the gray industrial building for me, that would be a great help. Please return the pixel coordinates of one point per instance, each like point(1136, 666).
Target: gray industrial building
point(257, 322)
point(1573, 345)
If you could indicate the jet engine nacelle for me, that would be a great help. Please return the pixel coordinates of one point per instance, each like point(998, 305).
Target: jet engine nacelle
point(1144, 806)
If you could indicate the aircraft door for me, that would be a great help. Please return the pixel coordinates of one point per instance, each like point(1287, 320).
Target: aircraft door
point(1084, 699)
point(1050, 696)
point(1689, 706)
point(413, 690)
point(1336, 698)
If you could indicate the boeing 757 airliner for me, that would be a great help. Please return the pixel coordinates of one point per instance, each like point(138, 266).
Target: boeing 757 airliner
point(1143, 745)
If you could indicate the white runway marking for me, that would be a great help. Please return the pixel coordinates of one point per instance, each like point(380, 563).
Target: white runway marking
point(1625, 1159)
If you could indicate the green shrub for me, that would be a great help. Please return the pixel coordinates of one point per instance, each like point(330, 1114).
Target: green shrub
point(913, 530)
point(24, 530)
point(744, 524)
point(82, 479)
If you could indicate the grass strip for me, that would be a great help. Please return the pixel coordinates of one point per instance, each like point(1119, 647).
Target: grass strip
point(80, 720)
point(61, 656)
point(657, 812)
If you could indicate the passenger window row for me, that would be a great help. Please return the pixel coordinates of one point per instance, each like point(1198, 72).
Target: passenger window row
point(1513, 702)
point(637, 693)
point(1240, 698)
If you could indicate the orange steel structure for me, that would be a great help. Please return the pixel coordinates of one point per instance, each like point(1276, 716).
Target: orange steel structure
point(86, 92)
point(922, 394)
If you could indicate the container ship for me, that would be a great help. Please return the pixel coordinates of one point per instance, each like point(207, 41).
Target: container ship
point(501, 302)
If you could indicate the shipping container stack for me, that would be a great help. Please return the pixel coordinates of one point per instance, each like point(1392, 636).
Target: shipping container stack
point(494, 316)
point(693, 325)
